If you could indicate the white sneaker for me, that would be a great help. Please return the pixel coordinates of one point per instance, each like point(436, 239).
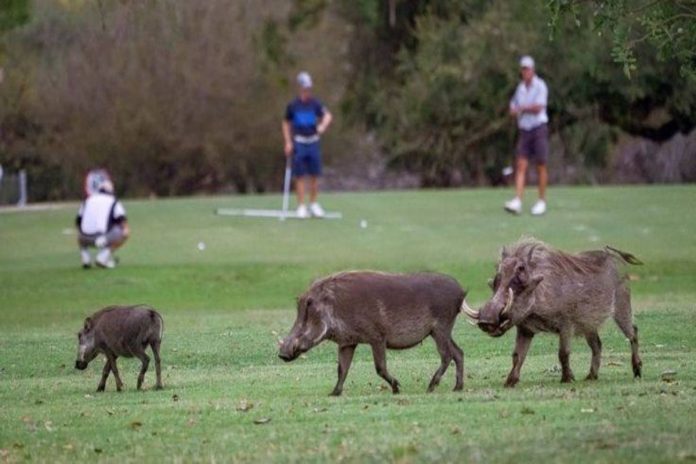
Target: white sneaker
point(514, 206)
point(105, 260)
point(316, 210)
point(86, 258)
point(539, 208)
point(302, 212)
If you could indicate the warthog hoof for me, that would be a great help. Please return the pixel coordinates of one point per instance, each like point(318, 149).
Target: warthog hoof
point(336, 393)
point(591, 376)
point(159, 387)
point(511, 382)
point(458, 387)
point(395, 388)
point(637, 370)
point(100, 388)
point(568, 378)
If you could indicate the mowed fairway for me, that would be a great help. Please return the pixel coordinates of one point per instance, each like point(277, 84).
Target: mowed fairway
point(224, 308)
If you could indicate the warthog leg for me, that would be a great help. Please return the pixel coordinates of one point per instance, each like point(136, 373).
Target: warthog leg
point(105, 375)
point(595, 344)
point(112, 361)
point(564, 356)
point(145, 359)
point(522, 342)
point(459, 363)
point(623, 315)
point(345, 357)
point(379, 353)
point(158, 366)
point(442, 341)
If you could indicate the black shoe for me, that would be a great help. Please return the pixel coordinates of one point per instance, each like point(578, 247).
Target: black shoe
point(86, 266)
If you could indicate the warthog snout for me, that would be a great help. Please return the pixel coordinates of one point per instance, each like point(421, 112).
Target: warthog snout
point(494, 318)
point(81, 365)
point(288, 350)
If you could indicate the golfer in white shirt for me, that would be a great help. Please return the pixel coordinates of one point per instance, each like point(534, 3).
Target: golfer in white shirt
point(528, 105)
point(101, 223)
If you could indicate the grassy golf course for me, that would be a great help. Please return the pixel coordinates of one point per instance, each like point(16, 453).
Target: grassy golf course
point(227, 396)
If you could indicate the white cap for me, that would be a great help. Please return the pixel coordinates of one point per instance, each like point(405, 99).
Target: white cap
point(527, 62)
point(304, 80)
point(106, 186)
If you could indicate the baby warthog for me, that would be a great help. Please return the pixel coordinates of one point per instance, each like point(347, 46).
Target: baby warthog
point(395, 311)
point(121, 331)
point(539, 289)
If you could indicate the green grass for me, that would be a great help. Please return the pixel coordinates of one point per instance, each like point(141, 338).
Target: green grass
point(224, 308)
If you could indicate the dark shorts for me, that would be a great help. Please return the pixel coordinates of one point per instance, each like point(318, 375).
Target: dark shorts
point(534, 144)
point(114, 235)
point(306, 160)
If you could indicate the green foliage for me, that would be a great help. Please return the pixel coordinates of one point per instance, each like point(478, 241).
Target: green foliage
point(14, 13)
point(442, 110)
point(669, 27)
point(225, 307)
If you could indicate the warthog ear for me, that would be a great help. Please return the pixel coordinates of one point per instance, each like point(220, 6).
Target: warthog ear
point(504, 253)
point(88, 324)
point(530, 255)
point(534, 281)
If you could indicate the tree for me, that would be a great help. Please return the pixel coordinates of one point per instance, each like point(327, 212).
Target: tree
point(667, 25)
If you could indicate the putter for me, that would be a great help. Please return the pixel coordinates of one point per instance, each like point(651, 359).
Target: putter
point(286, 188)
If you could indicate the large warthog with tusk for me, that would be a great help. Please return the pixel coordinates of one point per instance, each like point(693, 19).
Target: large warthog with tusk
point(394, 311)
point(539, 289)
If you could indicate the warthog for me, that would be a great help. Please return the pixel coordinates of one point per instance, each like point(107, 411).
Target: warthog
point(539, 289)
point(121, 331)
point(395, 311)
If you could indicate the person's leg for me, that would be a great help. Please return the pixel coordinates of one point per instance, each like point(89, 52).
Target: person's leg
point(541, 147)
point(543, 180)
point(520, 175)
point(84, 242)
point(299, 172)
point(116, 237)
point(300, 189)
point(314, 170)
point(314, 189)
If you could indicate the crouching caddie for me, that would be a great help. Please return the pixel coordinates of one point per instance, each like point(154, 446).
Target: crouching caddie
point(101, 223)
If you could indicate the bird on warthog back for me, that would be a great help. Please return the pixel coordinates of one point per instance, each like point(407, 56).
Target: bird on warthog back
point(395, 311)
point(539, 289)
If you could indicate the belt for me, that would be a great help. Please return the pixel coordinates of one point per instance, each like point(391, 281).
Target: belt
point(306, 138)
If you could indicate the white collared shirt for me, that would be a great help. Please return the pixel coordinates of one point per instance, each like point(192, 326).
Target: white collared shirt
point(98, 211)
point(536, 94)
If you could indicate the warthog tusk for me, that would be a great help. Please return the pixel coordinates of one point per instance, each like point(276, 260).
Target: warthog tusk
point(472, 313)
point(472, 322)
point(505, 323)
point(508, 304)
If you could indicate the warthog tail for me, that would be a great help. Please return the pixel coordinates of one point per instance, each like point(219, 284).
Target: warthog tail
point(627, 257)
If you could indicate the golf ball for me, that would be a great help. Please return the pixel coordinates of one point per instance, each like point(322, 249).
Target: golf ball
point(363, 224)
point(201, 246)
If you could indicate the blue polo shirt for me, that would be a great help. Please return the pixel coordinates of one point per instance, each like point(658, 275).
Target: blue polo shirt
point(304, 116)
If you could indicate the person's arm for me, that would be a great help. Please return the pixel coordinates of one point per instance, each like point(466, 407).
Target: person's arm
point(540, 101)
point(287, 137)
point(514, 108)
point(325, 122)
point(533, 109)
point(78, 218)
point(119, 218)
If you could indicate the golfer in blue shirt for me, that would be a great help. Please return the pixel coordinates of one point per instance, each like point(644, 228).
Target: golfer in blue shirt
point(305, 120)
